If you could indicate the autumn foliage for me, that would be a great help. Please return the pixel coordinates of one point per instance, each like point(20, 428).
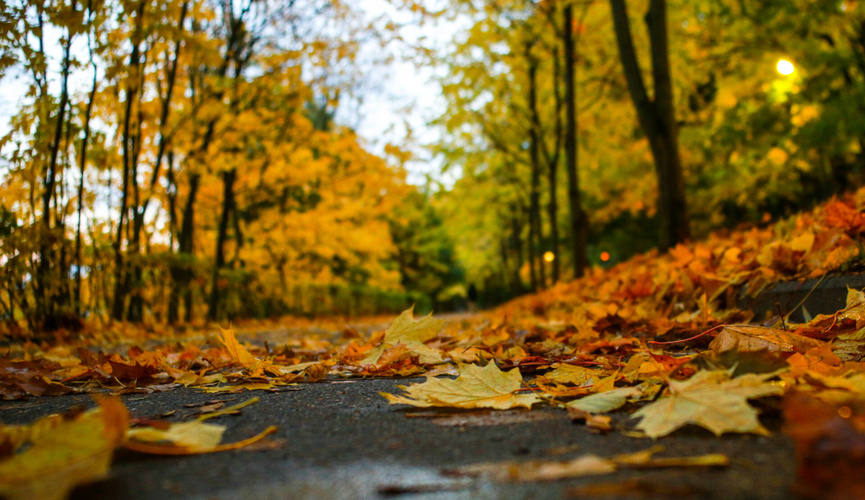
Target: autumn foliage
point(671, 352)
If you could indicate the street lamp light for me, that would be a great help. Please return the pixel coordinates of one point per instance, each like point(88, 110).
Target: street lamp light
point(549, 256)
point(785, 67)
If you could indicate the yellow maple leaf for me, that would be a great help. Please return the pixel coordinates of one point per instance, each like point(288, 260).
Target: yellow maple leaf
point(63, 453)
point(603, 402)
point(194, 434)
point(710, 399)
point(413, 333)
point(476, 387)
point(236, 350)
point(570, 374)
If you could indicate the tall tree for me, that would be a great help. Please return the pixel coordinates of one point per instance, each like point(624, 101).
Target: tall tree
point(579, 219)
point(656, 116)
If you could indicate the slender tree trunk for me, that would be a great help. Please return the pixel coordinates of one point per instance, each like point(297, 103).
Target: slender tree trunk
point(85, 141)
point(136, 306)
point(530, 251)
point(579, 219)
point(228, 178)
point(517, 248)
point(121, 280)
point(46, 283)
point(552, 171)
point(534, 155)
point(182, 272)
point(656, 117)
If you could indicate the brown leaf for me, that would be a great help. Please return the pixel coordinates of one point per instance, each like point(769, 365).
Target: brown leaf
point(747, 338)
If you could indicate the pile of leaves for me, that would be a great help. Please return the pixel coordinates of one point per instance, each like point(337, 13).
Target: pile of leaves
point(658, 337)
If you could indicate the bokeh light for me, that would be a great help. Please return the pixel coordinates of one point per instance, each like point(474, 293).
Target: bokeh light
point(785, 67)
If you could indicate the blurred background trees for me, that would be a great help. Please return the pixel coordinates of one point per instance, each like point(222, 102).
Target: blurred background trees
point(765, 98)
point(181, 159)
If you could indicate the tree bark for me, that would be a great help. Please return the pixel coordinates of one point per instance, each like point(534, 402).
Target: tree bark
point(517, 247)
point(579, 219)
point(181, 271)
point(536, 241)
point(656, 117)
point(228, 178)
point(121, 282)
point(552, 171)
point(140, 210)
point(85, 141)
point(47, 284)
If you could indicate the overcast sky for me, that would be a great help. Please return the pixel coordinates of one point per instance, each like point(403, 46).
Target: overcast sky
point(394, 98)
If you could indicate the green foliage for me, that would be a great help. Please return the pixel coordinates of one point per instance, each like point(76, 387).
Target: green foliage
point(425, 254)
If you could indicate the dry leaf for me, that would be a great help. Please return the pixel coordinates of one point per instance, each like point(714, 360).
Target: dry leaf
point(411, 332)
point(476, 387)
point(64, 453)
point(605, 401)
point(711, 400)
point(193, 435)
point(186, 438)
point(748, 338)
point(586, 465)
point(237, 352)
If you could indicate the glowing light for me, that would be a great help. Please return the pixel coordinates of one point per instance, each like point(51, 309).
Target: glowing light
point(785, 67)
point(605, 256)
point(549, 256)
point(845, 412)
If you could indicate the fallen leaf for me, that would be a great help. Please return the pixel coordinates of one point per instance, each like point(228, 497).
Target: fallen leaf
point(64, 453)
point(186, 438)
point(571, 374)
point(237, 388)
point(586, 465)
point(193, 435)
point(411, 332)
point(711, 400)
point(488, 418)
point(746, 338)
point(476, 387)
point(236, 350)
point(537, 470)
point(605, 401)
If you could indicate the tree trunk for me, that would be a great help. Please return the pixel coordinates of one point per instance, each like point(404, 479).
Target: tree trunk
point(656, 117)
point(121, 278)
point(46, 283)
point(579, 219)
point(79, 261)
point(228, 178)
point(517, 248)
point(552, 171)
point(534, 154)
point(181, 272)
point(136, 305)
point(530, 252)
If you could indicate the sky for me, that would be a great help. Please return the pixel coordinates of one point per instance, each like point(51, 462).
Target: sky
point(394, 98)
point(402, 96)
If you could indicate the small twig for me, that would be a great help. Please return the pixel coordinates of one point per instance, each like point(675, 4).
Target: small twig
point(710, 330)
point(214, 366)
point(783, 321)
point(806, 297)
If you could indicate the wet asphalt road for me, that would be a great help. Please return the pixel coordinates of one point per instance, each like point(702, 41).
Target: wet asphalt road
point(342, 440)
